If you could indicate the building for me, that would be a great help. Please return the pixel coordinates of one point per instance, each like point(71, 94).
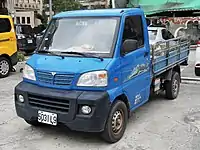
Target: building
point(3, 9)
point(25, 11)
point(89, 4)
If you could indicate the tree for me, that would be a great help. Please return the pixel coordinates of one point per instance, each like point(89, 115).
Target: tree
point(64, 5)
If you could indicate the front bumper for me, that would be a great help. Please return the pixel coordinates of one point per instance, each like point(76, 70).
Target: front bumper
point(73, 119)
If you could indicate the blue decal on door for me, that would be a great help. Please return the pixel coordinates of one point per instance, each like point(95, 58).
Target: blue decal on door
point(139, 69)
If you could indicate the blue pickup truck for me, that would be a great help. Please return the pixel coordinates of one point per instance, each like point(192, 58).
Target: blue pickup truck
point(93, 68)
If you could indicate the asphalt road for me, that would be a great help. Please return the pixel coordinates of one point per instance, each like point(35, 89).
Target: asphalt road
point(158, 125)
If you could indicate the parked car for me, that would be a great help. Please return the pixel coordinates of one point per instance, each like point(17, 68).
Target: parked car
point(26, 39)
point(197, 62)
point(160, 34)
point(8, 46)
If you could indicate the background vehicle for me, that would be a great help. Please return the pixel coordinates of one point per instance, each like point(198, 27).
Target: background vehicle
point(39, 37)
point(160, 34)
point(157, 34)
point(26, 39)
point(93, 68)
point(197, 63)
point(8, 46)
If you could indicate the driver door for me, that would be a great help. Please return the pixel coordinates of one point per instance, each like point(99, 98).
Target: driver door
point(135, 64)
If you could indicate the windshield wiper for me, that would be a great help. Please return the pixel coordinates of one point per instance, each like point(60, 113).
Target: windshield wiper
point(49, 52)
point(82, 54)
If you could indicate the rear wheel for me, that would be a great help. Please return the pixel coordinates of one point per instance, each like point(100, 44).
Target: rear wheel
point(173, 86)
point(116, 123)
point(5, 67)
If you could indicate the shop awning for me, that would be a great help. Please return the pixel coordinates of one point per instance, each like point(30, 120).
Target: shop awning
point(159, 6)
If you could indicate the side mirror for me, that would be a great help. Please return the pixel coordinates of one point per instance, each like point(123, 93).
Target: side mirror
point(129, 45)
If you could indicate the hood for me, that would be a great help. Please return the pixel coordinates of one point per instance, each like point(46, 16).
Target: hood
point(68, 64)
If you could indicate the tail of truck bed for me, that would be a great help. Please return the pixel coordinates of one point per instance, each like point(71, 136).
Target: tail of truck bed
point(166, 74)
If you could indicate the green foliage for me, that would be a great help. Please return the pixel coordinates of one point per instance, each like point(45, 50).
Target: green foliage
point(20, 57)
point(64, 5)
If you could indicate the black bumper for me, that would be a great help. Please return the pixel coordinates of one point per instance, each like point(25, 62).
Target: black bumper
point(73, 118)
point(14, 59)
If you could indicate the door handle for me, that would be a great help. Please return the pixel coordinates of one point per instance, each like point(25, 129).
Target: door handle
point(146, 54)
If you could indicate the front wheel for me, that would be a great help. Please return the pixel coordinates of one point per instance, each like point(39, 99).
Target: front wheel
point(5, 67)
point(116, 123)
point(173, 86)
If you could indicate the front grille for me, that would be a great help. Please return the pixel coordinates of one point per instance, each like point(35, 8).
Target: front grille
point(42, 102)
point(57, 79)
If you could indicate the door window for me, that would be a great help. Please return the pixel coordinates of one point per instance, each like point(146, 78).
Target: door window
point(133, 29)
point(5, 25)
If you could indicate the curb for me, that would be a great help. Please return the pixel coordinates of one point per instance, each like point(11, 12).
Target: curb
point(189, 80)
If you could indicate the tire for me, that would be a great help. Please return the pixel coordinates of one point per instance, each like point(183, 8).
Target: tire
point(33, 122)
point(197, 71)
point(172, 87)
point(115, 127)
point(5, 67)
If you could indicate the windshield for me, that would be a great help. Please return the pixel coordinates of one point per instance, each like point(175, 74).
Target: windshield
point(152, 34)
point(84, 35)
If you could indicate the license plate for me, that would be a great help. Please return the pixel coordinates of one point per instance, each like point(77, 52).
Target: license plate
point(47, 118)
point(30, 41)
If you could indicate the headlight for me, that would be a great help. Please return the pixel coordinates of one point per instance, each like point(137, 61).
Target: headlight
point(95, 79)
point(29, 73)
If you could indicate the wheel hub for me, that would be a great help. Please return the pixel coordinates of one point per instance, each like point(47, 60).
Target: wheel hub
point(4, 67)
point(175, 87)
point(117, 122)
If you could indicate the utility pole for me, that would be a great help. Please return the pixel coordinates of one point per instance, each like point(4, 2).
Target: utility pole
point(89, 4)
point(50, 9)
point(113, 4)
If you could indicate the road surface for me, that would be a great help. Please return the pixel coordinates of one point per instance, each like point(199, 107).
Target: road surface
point(158, 125)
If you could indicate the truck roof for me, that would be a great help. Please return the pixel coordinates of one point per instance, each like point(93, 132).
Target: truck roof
point(97, 12)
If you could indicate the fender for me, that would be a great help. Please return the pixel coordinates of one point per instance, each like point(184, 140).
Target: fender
point(168, 75)
point(116, 92)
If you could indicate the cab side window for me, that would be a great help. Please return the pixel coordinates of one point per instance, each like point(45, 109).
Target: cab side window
point(5, 25)
point(133, 29)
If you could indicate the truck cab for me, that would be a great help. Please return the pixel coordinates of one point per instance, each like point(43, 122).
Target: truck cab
point(92, 68)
